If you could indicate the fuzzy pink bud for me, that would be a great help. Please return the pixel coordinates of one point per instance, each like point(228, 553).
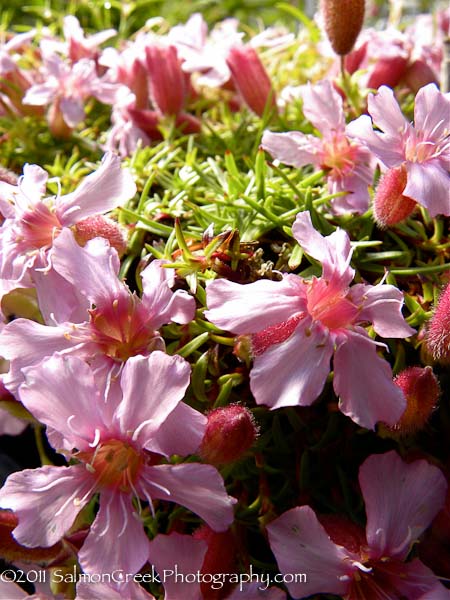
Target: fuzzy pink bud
point(421, 390)
point(221, 557)
point(343, 22)
point(390, 206)
point(100, 226)
point(167, 80)
point(251, 79)
point(438, 334)
point(230, 432)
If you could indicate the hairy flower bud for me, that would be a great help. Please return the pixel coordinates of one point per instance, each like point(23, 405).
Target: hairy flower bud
point(100, 226)
point(343, 22)
point(390, 206)
point(167, 80)
point(438, 334)
point(421, 390)
point(230, 432)
point(251, 79)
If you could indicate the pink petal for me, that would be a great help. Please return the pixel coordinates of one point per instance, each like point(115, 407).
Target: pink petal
point(176, 553)
point(33, 184)
point(418, 582)
point(10, 590)
point(60, 392)
point(428, 183)
point(26, 343)
point(401, 501)
point(431, 112)
point(255, 306)
point(386, 113)
point(103, 190)
point(301, 545)
point(46, 502)
point(41, 94)
point(160, 381)
point(161, 302)
point(333, 251)
point(58, 299)
point(293, 148)
point(293, 372)
point(93, 269)
point(385, 147)
point(117, 540)
point(72, 111)
point(356, 363)
point(10, 425)
point(381, 306)
point(181, 433)
point(109, 591)
point(322, 105)
point(198, 487)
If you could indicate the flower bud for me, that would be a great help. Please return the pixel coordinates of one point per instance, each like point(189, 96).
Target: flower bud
point(167, 80)
point(100, 226)
point(438, 333)
point(230, 432)
point(343, 22)
point(251, 79)
point(421, 390)
point(390, 206)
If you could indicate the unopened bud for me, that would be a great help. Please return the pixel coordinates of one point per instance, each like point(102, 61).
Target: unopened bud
point(343, 22)
point(230, 432)
point(251, 79)
point(390, 206)
point(438, 333)
point(421, 390)
point(167, 80)
point(100, 226)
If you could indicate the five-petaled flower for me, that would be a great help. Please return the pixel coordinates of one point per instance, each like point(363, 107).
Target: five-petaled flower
point(296, 325)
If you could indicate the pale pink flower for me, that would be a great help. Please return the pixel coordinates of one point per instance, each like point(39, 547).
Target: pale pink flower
point(401, 501)
point(66, 88)
point(78, 45)
point(295, 326)
point(423, 149)
point(93, 313)
point(33, 220)
point(206, 54)
point(115, 446)
point(347, 163)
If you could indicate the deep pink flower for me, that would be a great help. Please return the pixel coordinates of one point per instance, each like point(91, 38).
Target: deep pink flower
point(423, 148)
point(346, 162)
point(401, 501)
point(295, 326)
point(110, 442)
point(91, 313)
point(33, 220)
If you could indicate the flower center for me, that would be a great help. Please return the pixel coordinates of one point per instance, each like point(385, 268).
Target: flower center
point(338, 155)
point(115, 463)
point(122, 329)
point(330, 305)
point(382, 578)
point(38, 227)
point(417, 150)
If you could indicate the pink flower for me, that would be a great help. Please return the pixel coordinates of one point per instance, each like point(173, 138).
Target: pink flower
point(33, 221)
point(66, 88)
point(401, 501)
point(93, 313)
point(115, 445)
point(423, 148)
point(346, 162)
point(295, 326)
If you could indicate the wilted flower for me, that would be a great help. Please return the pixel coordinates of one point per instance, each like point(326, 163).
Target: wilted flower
point(295, 326)
point(401, 501)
